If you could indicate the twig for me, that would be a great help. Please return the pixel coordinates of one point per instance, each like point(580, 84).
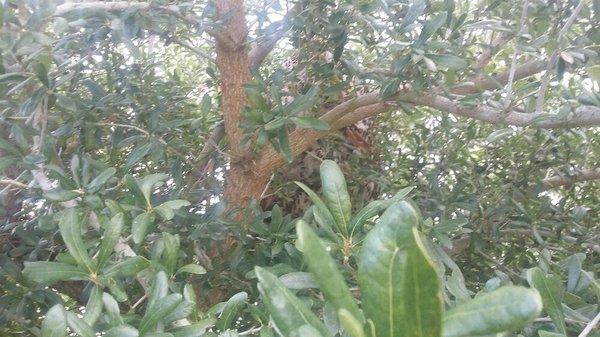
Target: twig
point(513, 66)
point(11, 182)
point(592, 324)
point(539, 104)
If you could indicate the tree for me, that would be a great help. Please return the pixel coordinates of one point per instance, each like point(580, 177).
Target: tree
point(182, 117)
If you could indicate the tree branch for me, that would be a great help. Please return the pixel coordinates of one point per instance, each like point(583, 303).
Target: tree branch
point(570, 179)
point(275, 32)
point(114, 6)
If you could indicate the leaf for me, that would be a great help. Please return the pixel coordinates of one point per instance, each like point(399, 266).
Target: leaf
point(166, 209)
point(95, 185)
point(55, 322)
point(128, 267)
point(325, 271)
point(390, 88)
point(194, 330)
point(374, 208)
point(48, 273)
point(303, 102)
point(141, 225)
point(351, 324)
point(276, 123)
point(321, 212)
point(284, 145)
point(192, 268)
point(414, 11)
point(147, 183)
point(59, 195)
point(159, 289)
point(113, 312)
point(158, 311)
point(449, 61)
point(298, 280)
point(79, 326)
point(499, 134)
point(336, 195)
point(310, 123)
point(122, 331)
point(432, 26)
point(232, 306)
point(171, 251)
point(400, 288)
point(70, 230)
point(505, 309)
point(551, 291)
point(110, 238)
point(288, 313)
point(93, 308)
point(543, 333)
point(137, 154)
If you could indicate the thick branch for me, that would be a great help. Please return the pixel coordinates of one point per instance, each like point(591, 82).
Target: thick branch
point(567, 180)
point(115, 6)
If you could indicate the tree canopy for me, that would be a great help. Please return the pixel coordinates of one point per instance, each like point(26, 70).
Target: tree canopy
point(176, 168)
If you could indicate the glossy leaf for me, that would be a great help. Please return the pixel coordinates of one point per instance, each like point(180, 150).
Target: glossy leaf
point(110, 238)
point(192, 268)
point(287, 312)
point(159, 289)
point(128, 267)
point(325, 271)
point(141, 225)
point(55, 322)
point(322, 214)
point(505, 309)
point(158, 311)
point(374, 208)
point(400, 288)
point(336, 195)
point(111, 307)
point(59, 195)
point(551, 291)
point(79, 326)
point(232, 307)
point(95, 185)
point(51, 272)
point(122, 331)
point(351, 324)
point(194, 330)
point(93, 308)
point(70, 230)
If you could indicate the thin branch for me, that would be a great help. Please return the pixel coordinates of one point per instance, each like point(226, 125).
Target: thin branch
point(100, 5)
point(513, 65)
point(539, 104)
point(570, 179)
point(591, 325)
point(488, 53)
point(10, 182)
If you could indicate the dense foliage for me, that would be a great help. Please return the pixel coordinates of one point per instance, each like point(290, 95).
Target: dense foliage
point(301, 168)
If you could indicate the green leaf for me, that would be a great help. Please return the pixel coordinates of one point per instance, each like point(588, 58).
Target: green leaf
point(113, 312)
point(59, 195)
point(284, 145)
point(232, 307)
point(192, 268)
point(336, 195)
point(321, 212)
point(310, 123)
point(158, 311)
point(93, 308)
point(171, 251)
point(449, 61)
point(79, 326)
point(325, 271)
point(375, 208)
point(194, 330)
point(159, 289)
point(432, 26)
point(128, 267)
point(55, 322)
point(166, 209)
point(276, 123)
point(122, 331)
point(543, 333)
point(303, 102)
point(147, 183)
point(70, 230)
point(141, 225)
point(95, 185)
point(414, 11)
point(110, 238)
point(505, 309)
point(48, 273)
point(351, 324)
point(287, 311)
point(400, 288)
point(499, 134)
point(137, 154)
point(551, 291)
point(390, 88)
point(298, 280)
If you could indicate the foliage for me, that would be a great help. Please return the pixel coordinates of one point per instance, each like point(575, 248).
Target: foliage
point(116, 165)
